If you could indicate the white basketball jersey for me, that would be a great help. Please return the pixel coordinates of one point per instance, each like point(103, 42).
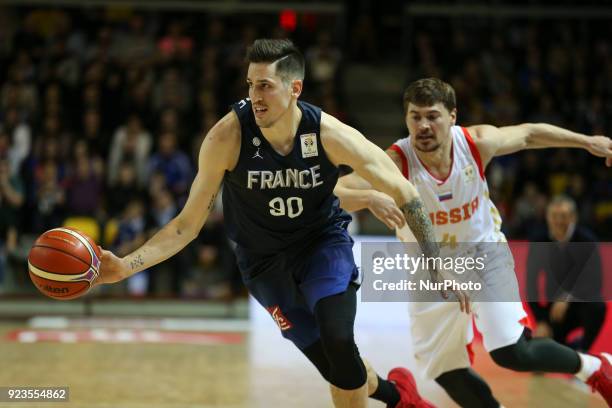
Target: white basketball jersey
point(459, 206)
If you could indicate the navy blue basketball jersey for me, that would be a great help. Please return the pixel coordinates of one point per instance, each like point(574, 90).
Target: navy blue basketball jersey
point(272, 202)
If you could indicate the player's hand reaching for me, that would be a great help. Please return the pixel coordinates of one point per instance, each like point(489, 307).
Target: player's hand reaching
point(462, 297)
point(385, 209)
point(112, 268)
point(601, 146)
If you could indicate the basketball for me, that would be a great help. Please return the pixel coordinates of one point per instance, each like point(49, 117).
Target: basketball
point(63, 263)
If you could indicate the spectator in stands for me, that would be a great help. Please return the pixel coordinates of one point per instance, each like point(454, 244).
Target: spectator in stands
point(175, 45)
point(135, 46)
point(96, 138)
point(11, 199)
point(130, 142)
point(172, 91)
point(163, 210)
point(569, 257)
point(53, 129)
point(215, 253)
point(173, 163)
point(529, 213)
point(138, 99)
point(169, 122)
point(20, 89)
point(126, 189)
point(49, 199)
point(132, 233)
point(323, 59)
point(20, 136)
point(84, 185)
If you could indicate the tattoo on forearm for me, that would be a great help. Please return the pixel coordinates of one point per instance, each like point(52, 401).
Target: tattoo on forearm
point(136, 262)
point(421, 226)
point(212, 202)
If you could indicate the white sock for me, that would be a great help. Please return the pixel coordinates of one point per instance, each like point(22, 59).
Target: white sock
point(588, 365)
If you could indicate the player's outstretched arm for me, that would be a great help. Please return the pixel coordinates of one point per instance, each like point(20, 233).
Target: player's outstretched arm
point(218, 153)
point(353, 192)
point(357, 194)
point(493, 141)
point(345, 145)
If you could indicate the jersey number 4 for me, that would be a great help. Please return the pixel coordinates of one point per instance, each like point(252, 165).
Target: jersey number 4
point(292, 207)
point(449, 240)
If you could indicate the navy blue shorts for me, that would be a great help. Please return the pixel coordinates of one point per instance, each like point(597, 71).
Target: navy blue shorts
point(290, 284)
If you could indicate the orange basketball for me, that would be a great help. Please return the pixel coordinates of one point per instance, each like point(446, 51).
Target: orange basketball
point(63, 263)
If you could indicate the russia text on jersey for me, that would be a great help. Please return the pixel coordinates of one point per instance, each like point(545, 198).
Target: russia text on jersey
point(455, 215)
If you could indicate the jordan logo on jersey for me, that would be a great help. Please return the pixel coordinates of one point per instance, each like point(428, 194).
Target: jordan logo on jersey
point(279, 318)
point(257, 143)
point(309, 145)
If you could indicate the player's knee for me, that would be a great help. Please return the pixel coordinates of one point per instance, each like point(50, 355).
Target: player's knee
point(338, 341)
point(347, 370)
point(514, 357)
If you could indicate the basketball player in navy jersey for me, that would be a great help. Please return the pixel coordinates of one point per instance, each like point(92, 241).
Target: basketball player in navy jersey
point(446, 163)
point(278, 159)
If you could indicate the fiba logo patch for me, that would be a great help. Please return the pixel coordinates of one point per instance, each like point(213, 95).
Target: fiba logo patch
point(309, 145)
point(469, 174)
point(280, 319)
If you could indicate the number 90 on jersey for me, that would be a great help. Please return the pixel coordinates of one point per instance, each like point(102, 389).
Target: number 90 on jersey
point(291, 207)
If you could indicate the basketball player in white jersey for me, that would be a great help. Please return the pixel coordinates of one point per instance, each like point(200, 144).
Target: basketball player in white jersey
point(446, 163)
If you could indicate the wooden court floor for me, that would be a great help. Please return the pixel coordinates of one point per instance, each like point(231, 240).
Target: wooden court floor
point(262, 370)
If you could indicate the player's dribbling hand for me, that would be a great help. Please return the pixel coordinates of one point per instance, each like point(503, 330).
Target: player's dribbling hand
point(462, 297)
point(384, 208)
point(601, 146)
point(112, 268)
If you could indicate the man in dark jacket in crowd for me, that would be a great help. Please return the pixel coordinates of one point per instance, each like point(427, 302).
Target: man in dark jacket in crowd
point(569, 258)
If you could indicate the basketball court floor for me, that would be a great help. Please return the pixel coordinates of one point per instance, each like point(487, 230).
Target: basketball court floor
point(164, 364)
point(189, 363)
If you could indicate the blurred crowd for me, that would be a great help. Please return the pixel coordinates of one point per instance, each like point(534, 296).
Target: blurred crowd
point(102, 113)
point(512, 71)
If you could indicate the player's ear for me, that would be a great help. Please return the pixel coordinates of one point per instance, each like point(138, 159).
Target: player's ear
point(453, 116)
point(296, 87)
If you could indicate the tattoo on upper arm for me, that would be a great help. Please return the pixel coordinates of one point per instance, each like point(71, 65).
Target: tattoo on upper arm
point(421, 226)
point(136, 262)
point(212, 202)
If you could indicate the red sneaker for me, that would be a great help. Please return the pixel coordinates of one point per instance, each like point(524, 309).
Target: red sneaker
point(601, 380)
point(406, 386)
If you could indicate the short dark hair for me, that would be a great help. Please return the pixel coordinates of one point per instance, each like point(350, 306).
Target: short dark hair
point(290, 60)
point(428, 92)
